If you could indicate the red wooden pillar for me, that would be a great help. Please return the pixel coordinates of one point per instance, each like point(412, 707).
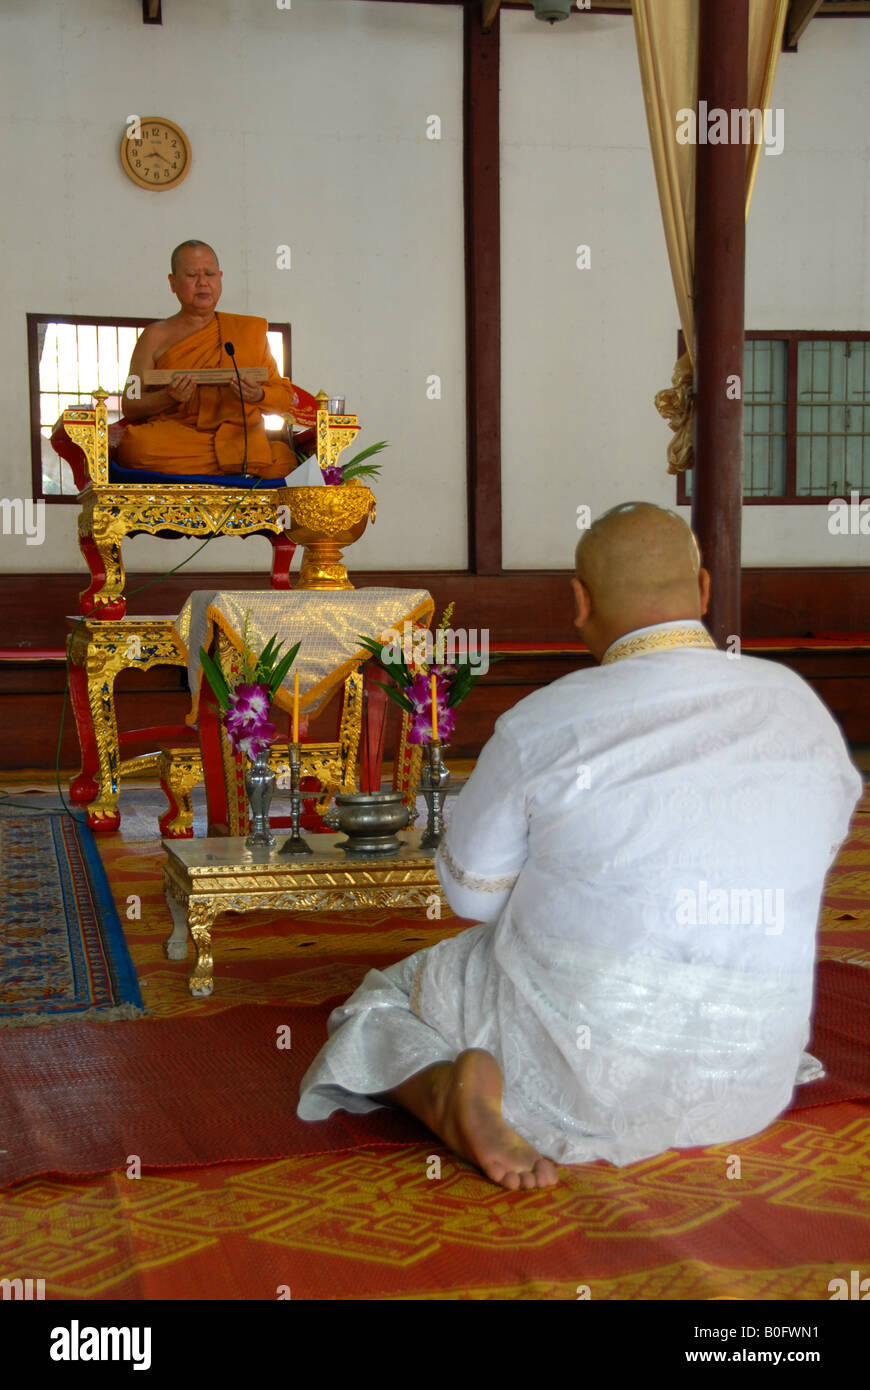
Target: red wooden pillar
point(720, 243)
point(482, 291)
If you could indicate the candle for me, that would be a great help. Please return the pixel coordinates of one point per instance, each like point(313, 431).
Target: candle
point(434, 708)
point(295, 706)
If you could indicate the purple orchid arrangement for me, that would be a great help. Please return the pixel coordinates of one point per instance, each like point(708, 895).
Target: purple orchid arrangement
point(419, 695)
point(246, 720)
point(245, 699)
point(356, 469)
point(411, 686)
point(333, 475)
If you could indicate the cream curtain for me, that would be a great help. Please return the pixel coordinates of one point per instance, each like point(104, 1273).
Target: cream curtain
point(667, 47)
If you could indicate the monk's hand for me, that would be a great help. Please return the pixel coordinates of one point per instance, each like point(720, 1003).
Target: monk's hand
point(252, 391)
point(181, 388)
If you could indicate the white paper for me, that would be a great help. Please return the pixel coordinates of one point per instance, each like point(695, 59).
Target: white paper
point(308, 474)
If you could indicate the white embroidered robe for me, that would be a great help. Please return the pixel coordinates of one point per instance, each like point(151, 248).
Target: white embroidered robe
point(644, 845)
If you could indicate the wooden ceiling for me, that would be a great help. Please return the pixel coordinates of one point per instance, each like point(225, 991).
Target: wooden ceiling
point(800, 12)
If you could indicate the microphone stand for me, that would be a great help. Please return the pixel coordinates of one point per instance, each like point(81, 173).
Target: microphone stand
point(231, 353)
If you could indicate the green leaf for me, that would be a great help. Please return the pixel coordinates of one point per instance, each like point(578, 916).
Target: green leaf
point(216, 678)
point(267, 655)
point(277, 677)
point(395, 695)
point(461, 685)
point(360, 470)
point(365, 454)
point(395, 668)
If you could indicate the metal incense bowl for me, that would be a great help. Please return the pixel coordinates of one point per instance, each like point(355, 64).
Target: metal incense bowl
point(370, 821)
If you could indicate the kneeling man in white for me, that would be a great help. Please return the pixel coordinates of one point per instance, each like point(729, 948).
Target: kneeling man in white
point(644, 845)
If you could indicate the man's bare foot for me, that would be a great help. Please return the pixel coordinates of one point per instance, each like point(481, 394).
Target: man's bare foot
point(461, 1102)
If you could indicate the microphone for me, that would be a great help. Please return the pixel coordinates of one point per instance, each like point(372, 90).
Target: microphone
point(231, 353)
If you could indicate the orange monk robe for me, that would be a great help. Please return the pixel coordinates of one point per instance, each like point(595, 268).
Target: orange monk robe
point(205, 435)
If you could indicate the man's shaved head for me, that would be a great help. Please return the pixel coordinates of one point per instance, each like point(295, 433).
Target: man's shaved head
point(638, 564)
point(185, 246)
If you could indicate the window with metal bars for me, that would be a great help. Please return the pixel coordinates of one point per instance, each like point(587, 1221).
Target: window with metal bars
point(68, 357)
point(806, 399)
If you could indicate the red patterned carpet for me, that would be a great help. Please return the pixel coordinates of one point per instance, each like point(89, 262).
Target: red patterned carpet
point(78, 1100)
point(383, 1223)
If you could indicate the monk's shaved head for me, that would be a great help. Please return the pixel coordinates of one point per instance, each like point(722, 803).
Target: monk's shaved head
point(639, 565)
point(191, 246)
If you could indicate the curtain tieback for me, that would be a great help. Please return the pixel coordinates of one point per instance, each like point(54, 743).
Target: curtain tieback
point(677, 405)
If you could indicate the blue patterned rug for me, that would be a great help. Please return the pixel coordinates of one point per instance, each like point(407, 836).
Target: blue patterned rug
point(62, 951)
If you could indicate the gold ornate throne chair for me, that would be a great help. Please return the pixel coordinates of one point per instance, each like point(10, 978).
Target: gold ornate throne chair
point(111, 510)
point(103, 641)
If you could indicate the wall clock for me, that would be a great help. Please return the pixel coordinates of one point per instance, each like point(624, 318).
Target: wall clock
point(161, 159)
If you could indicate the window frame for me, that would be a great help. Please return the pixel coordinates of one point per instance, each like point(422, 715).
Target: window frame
point(98, 321)
point(792, 336)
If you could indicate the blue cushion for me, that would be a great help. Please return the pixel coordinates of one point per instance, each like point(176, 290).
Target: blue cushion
point(117, 474)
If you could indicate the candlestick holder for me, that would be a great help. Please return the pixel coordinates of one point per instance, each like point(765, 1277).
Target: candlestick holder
point(295, 844)
point(433, 782)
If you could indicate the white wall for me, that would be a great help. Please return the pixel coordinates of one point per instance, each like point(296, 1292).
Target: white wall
point(584, 351)
point(308, 127)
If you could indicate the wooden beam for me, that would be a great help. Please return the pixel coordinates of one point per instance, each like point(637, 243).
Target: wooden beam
point(720, 246)
point(800, 12)
point(482, 292)
point(490, 9)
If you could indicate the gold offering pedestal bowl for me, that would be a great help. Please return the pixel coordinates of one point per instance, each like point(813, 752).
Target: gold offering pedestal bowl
point(324, 520)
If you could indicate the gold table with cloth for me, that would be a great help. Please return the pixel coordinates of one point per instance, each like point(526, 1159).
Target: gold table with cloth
point(203, 878)
point(328, 625)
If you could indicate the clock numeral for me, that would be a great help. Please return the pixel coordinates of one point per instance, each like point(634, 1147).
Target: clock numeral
point(138, 163)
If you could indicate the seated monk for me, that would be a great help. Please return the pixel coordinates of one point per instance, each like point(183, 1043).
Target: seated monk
point(644, 845)
point(183, 428)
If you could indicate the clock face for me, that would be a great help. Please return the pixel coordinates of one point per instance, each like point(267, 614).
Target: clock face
point(161, 158)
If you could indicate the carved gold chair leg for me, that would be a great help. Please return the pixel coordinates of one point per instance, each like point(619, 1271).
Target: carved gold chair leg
point(101, 531)
point(93, 667)
point(179, 770)
point(98, 650)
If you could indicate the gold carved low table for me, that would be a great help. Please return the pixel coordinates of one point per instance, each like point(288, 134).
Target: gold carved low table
point(203, 878)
